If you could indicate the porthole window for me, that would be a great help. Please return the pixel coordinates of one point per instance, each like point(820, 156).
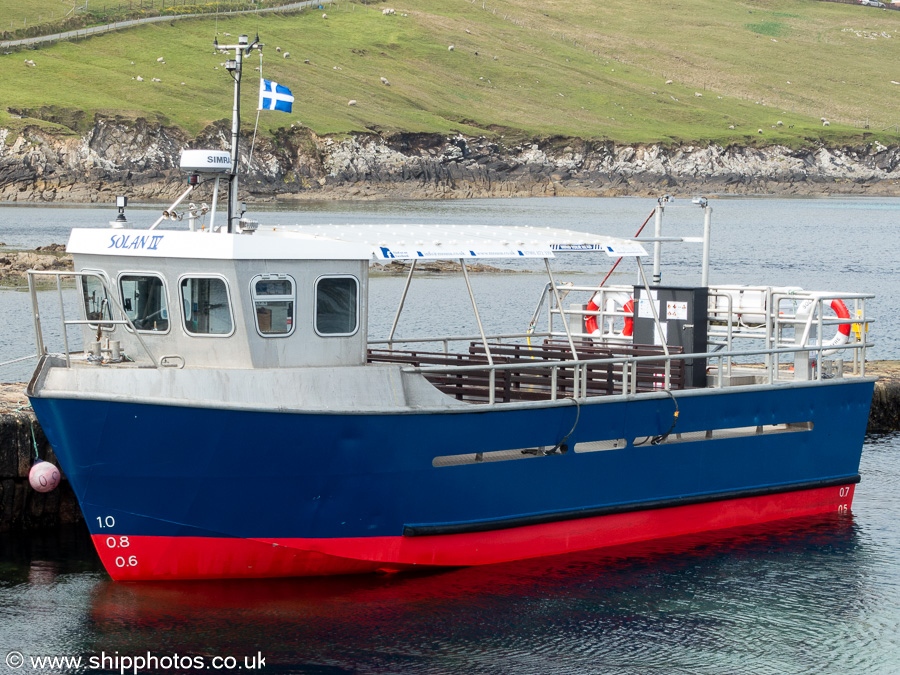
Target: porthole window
point(144, 301)
point(273, 303)
point(96, 301)
point(337, 305)
point(207, 306)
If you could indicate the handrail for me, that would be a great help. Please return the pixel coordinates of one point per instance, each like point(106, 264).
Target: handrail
point(621, 359)
point(39, 335)
point(455, 338)
point(632, 361)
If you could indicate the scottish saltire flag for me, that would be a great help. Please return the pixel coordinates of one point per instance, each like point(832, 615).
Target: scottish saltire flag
point(273, 96)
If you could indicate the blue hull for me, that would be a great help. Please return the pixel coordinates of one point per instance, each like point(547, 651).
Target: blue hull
point(189, 472)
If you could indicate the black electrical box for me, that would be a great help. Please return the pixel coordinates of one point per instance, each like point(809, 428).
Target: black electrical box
point(682, 313)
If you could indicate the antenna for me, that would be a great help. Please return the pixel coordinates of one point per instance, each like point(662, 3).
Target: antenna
point(235, 67)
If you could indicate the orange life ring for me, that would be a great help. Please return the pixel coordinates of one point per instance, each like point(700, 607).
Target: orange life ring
point(590, 322)
point(843, 333)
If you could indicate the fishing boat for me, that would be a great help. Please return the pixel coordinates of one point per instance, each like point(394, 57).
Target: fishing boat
point(230, 415)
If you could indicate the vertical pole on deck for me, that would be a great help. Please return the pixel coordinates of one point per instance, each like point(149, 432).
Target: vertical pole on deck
point(652, 306)
point(487, 349)
point(562, 314)
point(243, 41)
point(492, 377)
point(657, 328)
point(707, 227)
point(657, 245)
point(412, 268)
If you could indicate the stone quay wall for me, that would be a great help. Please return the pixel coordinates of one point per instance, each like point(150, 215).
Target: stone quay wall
point(21, 507)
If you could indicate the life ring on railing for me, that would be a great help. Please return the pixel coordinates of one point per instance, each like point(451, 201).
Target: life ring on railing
point(843, 333)
point(624, 301)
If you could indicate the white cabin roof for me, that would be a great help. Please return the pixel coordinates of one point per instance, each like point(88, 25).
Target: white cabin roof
point(351, 242)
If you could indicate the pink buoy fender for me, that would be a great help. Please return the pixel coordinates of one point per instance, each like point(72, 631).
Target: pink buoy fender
point(622, 299)
point(43, 476)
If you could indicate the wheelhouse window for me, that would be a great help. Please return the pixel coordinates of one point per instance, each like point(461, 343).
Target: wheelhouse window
point(206, 305)
point(96, 301)
point(337, 305)
point(144, 301)
point(273, 302)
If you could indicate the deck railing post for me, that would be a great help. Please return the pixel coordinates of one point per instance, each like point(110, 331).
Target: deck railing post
point(62, 315)
point(771, 360)
point(729, 341)
point(707, 218)
point(36, 317)
point(657, 245)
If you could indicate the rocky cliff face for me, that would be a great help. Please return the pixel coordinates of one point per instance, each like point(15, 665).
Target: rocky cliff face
point(140, 159)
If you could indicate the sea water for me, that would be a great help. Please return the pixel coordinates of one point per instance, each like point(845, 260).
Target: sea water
point(812, 595)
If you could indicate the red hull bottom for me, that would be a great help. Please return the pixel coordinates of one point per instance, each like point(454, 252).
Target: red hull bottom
point(134, 558)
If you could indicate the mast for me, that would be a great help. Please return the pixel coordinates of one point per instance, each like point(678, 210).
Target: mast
point(235, 67)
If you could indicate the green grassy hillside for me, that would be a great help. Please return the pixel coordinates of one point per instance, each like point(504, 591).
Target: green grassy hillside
point(560, 68)
point(18, 15)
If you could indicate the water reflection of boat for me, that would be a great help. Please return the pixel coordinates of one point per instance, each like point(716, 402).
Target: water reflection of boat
point(687, 569)
point(231, 418)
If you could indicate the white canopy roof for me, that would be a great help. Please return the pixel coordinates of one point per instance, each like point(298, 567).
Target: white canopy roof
point(350, 242)
point(407, 242)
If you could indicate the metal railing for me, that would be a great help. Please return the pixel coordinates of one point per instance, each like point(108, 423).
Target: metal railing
point(65, 323)
point(629, 366)
point(447, 340)
point(784, 333)
point(780, 311)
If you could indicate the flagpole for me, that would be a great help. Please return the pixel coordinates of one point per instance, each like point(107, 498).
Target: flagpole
point(258, 110)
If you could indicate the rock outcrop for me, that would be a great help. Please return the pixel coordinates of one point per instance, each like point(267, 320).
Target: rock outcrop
point(14, 265)
point(140, 158)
